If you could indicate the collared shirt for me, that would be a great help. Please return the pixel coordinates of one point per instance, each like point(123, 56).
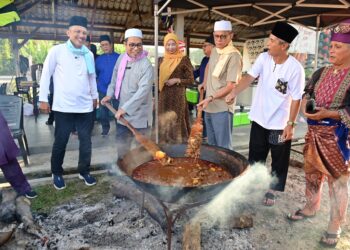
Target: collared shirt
point(278, 85)
point(200, 72)
point(74, 88)
point(231, 73)
point(104, 70)
point(135, 96)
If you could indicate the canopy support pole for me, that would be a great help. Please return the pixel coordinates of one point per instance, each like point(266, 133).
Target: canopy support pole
point(317, 41)
point(156, 22)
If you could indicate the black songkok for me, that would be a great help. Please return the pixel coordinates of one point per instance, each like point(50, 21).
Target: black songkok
point(78, 20)
point(210, 39)
point(105, 38)
point(284, 31)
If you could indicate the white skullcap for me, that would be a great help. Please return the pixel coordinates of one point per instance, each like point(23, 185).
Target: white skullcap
point(133, 33)
point(222, 26)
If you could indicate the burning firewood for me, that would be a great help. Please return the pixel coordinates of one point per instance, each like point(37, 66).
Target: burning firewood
point(191, 239)
point(16, 210)
point(123, 187)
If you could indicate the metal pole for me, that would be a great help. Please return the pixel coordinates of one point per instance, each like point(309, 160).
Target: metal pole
point(317, 41)
point(156, 70)
point(316, 49)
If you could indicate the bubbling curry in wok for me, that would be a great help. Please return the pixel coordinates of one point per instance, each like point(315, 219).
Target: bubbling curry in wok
point(182, 172)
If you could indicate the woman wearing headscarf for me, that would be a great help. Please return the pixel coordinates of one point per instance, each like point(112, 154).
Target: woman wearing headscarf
point(175, 73)
point(326, 104)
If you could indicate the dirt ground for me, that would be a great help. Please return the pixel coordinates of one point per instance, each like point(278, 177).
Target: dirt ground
point(116, 224)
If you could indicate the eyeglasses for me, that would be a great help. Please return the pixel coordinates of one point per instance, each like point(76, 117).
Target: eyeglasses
point(135, 45)
point(221, 37)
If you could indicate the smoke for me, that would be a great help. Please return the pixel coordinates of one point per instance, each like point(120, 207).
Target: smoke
point(167, 121)
point(242, 191)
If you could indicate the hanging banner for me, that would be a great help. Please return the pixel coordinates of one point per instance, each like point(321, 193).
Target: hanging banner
point(305, 42)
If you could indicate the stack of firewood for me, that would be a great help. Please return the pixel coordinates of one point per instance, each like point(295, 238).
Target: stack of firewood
point(16, 218)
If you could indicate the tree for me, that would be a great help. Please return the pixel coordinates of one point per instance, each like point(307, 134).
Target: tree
point(7, 62)
point(37, 50)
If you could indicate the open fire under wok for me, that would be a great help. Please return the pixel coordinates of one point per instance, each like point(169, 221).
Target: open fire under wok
point(230, 161)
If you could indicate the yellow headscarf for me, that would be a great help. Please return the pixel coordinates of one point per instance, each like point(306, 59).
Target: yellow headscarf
point(170, 61)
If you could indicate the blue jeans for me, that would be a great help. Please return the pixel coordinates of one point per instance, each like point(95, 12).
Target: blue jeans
point(125, 137)
point(104, 113)
point(64, 124)
point(219, 129)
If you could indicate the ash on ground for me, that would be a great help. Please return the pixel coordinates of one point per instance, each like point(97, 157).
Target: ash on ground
point(117, 224)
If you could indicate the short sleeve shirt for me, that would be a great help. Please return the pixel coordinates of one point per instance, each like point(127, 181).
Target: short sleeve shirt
point(278, 85)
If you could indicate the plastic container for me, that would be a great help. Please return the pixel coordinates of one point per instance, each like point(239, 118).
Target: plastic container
point(192, 95)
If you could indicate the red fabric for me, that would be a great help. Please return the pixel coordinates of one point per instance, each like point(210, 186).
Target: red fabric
point(329, 86)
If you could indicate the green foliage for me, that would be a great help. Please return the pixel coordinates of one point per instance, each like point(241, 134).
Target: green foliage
point(119, 48)
point(37, 50)
point(7, 63)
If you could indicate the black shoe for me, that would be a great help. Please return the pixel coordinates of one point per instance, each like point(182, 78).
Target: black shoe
point(31, 194)
point(48, 123)
point(104, 134)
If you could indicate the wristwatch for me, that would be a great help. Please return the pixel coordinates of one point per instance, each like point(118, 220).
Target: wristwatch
point(293, 124)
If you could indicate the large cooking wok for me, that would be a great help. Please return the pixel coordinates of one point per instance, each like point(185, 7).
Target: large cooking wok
point(232, 161)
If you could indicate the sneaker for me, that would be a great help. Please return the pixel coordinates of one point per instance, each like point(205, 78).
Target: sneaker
point(104, 134)
point(89, 180)
point(58, 182)
point(31, 194)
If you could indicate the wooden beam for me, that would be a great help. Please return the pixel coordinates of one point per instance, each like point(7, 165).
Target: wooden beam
point(30, 35)
point(272, 14)
point(325, 6)
point(130, 14)
point(346, 3)
point(138, 11)
point(29, 5)
point(232, 6)
point(93, 15)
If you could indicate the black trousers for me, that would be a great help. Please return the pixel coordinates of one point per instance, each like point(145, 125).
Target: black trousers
point(51, 118)
point(65, 122)
point(259, 147)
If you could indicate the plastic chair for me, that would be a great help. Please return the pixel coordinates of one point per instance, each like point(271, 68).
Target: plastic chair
point(22, 90)
point(12, 108)
point(3, 88)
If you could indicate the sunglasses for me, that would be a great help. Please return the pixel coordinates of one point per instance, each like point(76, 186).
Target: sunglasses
point(135, 45)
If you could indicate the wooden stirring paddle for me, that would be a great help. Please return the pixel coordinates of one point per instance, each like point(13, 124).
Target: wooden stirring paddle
point(195, 139)
point(148, 144)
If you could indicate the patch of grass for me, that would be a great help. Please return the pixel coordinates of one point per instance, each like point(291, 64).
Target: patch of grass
point(49, 197)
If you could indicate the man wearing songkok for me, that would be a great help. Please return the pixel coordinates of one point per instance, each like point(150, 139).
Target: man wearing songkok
point(104, 70)
point(72, 67)
point(275, 105)
point(131, 85)
point(223, 71)
point(326, 105)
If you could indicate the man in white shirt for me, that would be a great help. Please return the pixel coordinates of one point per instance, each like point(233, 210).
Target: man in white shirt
point(276, 104)
point(73, 70)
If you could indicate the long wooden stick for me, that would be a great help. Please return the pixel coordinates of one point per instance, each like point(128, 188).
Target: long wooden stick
point(148, 144)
